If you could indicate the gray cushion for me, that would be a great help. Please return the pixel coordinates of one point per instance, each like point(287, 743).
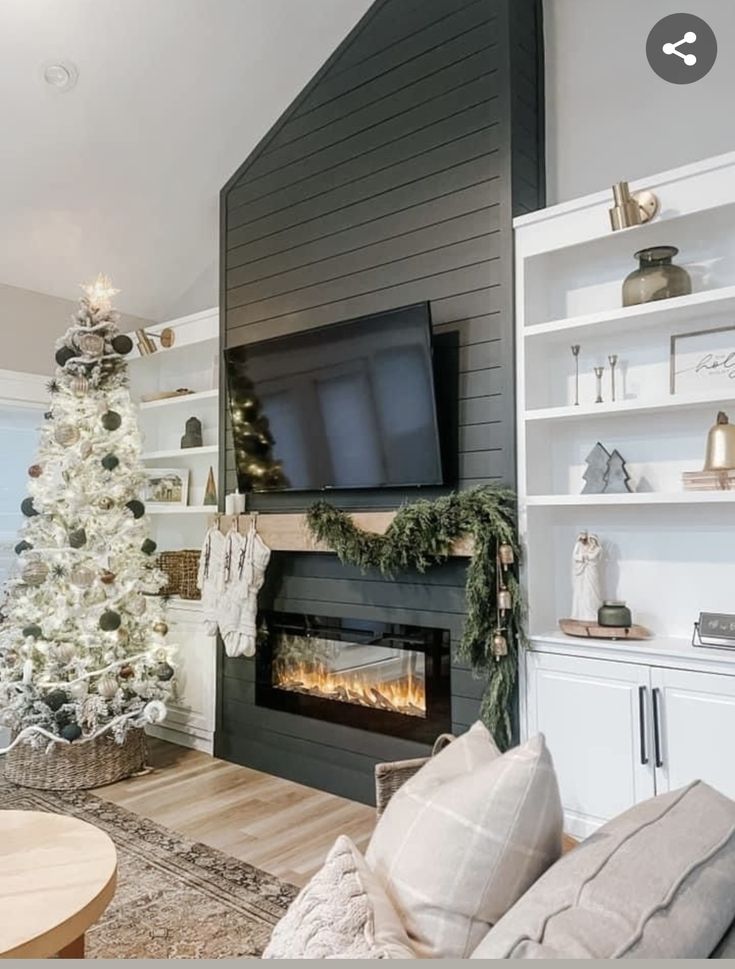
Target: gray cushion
point(726, 947)
point(657, 882)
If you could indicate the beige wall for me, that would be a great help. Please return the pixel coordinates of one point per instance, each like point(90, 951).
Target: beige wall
point(31, 323)
point(608, 116)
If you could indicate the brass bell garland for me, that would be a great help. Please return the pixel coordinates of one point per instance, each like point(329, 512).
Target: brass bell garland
point(505, 554)
point(505, 601)
point(500, 644)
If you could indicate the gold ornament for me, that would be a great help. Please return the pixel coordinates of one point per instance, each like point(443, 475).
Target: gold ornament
point(91, 344)
point(505, 602)
point(107, 577)
point(35, 572)
point(66, 435)
point(160, 627)
point(505, 554)
point(79, 386)
point(107, 686)
point(105, 504)
point(500, 644)
point(82, 577)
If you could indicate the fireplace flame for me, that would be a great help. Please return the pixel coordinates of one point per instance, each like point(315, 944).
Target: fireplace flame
point(405, 695)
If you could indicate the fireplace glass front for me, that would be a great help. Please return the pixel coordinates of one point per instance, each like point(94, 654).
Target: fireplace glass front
point(388, 677)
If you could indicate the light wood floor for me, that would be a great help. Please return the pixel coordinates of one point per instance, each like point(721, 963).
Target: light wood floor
point(276, 825)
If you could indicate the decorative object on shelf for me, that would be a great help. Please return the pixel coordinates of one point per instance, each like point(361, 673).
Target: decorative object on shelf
point(421, 534)
point(235, 503)
point(631, 209)
point(599, 371)
point(656, 277)
point(210, 491)
point(192, 434)
point(613, 361)
point(586, 582)
point(709, 480)
point(703, 361)
point(595, 476)
point(606, 473)
point(180, 568)
point(615, 614)
point(166, 394)
point(592, 630)
point(62, 725)
point(166, 486)
point(715, 629)
point(617, 479)
point(575, 353)
point(720, 451)
point(146, 340)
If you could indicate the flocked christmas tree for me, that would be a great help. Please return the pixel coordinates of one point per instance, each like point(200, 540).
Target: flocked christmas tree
point(82, 647)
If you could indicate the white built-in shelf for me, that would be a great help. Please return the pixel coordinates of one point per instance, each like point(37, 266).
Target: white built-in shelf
point(681, 402)
point(186, 452)
point(636, 498)
point(662, 314)
point(181, 509)
point(196, 398)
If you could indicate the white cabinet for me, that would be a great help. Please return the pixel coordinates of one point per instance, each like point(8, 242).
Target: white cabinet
point(191, 713)
point(621, 731)
point(696, 724)
point(594, 715)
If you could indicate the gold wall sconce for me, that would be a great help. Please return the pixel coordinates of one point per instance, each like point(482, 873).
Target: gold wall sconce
point(146, 340)
point(631, 209)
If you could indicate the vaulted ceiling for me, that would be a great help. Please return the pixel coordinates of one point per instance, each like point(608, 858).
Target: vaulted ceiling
point(121, 174)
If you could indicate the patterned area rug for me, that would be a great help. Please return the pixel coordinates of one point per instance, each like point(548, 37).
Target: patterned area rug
point(175, 899)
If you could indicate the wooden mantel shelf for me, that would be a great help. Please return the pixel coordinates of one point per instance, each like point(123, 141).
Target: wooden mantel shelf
point(289, 533)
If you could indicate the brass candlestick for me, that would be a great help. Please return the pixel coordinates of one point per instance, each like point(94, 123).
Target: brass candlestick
point(612, 360)
point(598, 373)
point(575, 351)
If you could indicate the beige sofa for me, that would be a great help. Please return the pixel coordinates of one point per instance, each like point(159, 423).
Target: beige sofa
point(466, 862)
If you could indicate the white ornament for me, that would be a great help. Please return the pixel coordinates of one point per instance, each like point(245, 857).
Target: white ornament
point(586, 585)
point(65, 652)
point(107, 686)
point(27, 671)
point(155, 711)
point(78, 689)
point(137, 606)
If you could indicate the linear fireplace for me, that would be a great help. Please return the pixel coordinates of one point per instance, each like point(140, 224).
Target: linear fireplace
point(387, 677)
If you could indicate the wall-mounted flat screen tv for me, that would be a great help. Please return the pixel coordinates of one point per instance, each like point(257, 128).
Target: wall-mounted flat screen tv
point(350, 405)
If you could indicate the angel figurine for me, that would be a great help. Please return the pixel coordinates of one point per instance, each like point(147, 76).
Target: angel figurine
point(586, 584)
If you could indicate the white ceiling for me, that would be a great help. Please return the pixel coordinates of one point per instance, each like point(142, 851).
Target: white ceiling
point(122, 174)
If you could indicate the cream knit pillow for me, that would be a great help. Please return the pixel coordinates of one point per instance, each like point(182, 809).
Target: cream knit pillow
point(462, 840)
point(342, 913)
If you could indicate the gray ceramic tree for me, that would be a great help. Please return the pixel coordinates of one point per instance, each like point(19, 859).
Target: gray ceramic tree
point(595, 476)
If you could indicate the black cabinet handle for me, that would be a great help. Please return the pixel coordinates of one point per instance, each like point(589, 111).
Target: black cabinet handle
point(657, 727)
point(642, 722)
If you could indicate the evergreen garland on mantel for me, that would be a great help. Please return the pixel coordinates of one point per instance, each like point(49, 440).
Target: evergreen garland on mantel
point(422, 534)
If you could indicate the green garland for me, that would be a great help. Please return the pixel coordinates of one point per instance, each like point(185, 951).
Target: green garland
point(422, 534)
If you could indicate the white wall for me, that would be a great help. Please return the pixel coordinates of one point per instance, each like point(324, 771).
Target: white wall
point(31, 323)
point(608, 116)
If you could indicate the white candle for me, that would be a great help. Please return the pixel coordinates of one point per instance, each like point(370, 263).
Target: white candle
point(235, 504)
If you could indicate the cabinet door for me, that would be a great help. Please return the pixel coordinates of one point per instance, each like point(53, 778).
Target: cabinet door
point(696, 721)
point(595, 717)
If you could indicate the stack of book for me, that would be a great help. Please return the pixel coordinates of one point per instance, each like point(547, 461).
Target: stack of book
point(709, 480)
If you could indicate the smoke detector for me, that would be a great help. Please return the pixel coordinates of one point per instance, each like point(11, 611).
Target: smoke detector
point(60, 75)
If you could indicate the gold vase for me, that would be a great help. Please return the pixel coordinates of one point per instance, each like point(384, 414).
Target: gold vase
point(720, 452)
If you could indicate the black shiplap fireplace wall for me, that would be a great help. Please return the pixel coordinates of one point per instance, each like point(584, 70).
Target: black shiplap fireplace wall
point(391, 179)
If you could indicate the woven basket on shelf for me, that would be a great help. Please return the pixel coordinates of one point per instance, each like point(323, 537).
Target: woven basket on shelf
point(389, 777)
point(75, 767)
point(181, 569)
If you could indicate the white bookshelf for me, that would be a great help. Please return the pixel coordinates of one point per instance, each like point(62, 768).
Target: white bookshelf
point(669, 553)
point(192, 364)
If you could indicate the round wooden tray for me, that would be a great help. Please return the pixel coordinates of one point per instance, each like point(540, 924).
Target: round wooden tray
point(591, 630)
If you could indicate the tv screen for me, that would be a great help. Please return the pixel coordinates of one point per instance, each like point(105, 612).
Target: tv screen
point(349, 405)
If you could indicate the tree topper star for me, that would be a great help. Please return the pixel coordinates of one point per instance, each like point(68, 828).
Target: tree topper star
point(100, 292)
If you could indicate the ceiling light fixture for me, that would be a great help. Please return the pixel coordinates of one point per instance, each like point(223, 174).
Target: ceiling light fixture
point(60, 75)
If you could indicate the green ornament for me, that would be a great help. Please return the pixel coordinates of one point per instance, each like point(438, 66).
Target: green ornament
point(78, 538)
point(63, 355)
point(22, 546)
point(56, 699)
point(122, 343)
point(111, 420)
point(110, 621)
point(33, 630)
point(26, 506)
point(72, 732)
point(110, 462)
point(148, 547)
point(136, 507)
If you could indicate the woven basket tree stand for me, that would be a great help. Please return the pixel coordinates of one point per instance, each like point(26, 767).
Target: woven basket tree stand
point(77, 766)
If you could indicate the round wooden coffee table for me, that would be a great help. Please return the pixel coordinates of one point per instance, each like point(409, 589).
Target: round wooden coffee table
point(57, 876)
